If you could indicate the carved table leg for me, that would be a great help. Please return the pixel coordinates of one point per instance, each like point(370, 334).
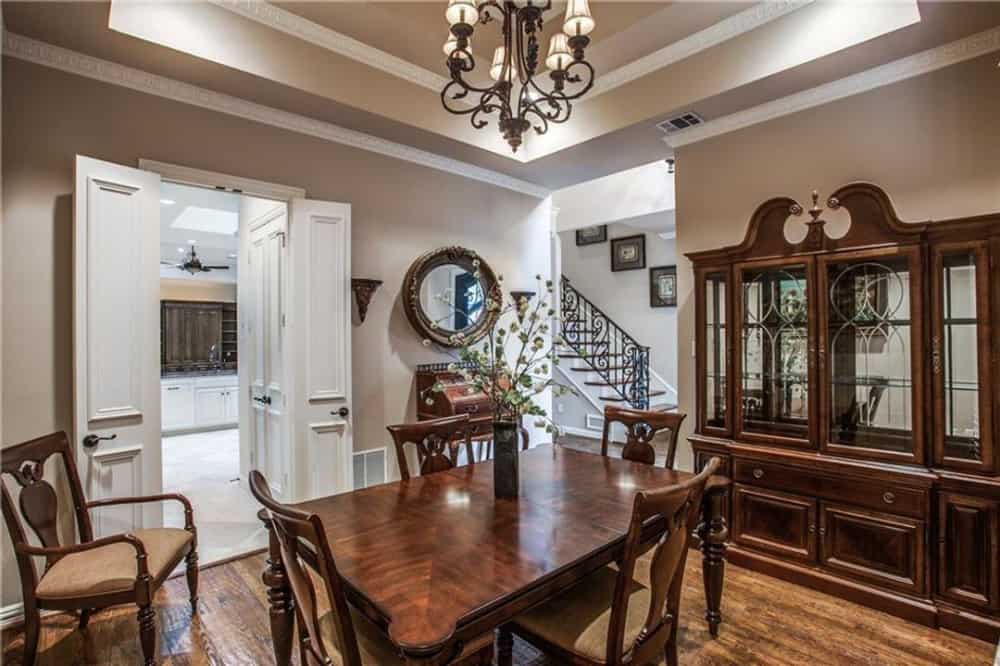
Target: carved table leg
point(279, 596)
point(712, 532)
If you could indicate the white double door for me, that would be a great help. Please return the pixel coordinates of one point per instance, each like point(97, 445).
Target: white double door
point(300, 364)
point(263, 301)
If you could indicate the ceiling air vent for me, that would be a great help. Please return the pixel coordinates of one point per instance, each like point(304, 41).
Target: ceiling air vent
point(680, 122)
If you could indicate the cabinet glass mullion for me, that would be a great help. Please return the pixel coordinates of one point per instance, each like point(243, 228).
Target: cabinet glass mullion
point(960, 344)
point(869, 338)
point(716, 350)
point(774, 343)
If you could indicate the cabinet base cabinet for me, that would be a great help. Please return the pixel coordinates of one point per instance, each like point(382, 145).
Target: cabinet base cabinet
point(199, 403)
point(918, 544)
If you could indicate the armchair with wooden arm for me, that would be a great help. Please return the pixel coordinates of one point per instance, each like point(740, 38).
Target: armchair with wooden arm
point(94, 573)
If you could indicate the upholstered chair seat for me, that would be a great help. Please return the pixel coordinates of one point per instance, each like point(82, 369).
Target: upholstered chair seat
point(374, 647)
point(578, 620)
point(112, 568)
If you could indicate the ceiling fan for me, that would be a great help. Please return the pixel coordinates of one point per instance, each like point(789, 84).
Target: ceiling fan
point(192, 264)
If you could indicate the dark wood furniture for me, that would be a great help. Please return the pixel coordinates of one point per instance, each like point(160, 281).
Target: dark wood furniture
point(640, 428)
point(345, 634)
point(458, 397)
point(438, 563)
point(628, 613)
point(436, 442)
point(847, 381)
point(94, 573)
point(198, 335)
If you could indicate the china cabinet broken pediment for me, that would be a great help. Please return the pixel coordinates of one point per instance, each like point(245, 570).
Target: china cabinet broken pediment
point(847, 380)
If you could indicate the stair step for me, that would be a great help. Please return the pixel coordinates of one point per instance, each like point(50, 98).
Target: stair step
point(589, 356)
point(598, 383)
point(610, 367)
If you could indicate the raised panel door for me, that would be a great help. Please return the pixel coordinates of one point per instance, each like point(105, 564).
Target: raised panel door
point(877, 547)
point(210, 406)
point(780, 523)
point(969, 550)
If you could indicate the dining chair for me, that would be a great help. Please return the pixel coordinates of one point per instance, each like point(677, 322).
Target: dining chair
point(341, 635)
point(640, 428)
point(627, 612)
point(94, 573)
point(436, 441)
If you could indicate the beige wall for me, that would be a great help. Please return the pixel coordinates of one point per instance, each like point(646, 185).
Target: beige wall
point(197, 290)
point(933, 143)
point(399, 210)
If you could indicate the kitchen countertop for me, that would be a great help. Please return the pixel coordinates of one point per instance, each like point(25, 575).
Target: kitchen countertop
point(190, 374)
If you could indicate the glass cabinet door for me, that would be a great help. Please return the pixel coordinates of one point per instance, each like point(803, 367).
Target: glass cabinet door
point(960, 356)
point(714, 340)
point(868, 358)
point(774, 352)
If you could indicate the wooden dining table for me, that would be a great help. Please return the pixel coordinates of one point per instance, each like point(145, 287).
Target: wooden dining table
point(438, 563)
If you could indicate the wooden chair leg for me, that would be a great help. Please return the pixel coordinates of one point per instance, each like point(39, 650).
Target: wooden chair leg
point(192, 578)
point(505, 647)
point(84, 618)
point(670, 652)
point(32, 629)
point(147, 634)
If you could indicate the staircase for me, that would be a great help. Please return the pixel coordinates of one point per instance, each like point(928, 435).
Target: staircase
point(607, 360)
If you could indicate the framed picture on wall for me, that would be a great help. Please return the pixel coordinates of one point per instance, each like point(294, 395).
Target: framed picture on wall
point(628, 253)
point(592, 235)
point(663, 287)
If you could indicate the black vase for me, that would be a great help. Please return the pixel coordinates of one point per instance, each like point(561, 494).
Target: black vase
point(505, 456)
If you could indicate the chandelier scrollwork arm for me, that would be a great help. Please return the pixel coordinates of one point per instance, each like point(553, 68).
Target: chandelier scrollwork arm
point(516, 97)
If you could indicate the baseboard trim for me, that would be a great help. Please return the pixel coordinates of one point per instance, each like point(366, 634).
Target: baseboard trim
point(970, 624)
point(914, 610)
point(580, 432)
point(11, 615)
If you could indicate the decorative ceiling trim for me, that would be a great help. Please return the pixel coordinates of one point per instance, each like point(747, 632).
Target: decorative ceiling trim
point(917, 64)
point(726, 29)
point(339, 43)
point(80, 64)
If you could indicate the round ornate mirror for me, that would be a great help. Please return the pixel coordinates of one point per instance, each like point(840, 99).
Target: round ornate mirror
point(445, 292)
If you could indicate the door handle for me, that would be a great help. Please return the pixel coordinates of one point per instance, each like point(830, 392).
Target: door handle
point(266, 400)
point(91, 441)
point(343, 412)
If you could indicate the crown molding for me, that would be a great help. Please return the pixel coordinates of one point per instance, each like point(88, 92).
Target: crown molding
point(41, 53)
point(726, 29)
point(917, 64)
point(337, 42)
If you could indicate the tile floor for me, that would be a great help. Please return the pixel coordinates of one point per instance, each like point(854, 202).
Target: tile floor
point(203, 467)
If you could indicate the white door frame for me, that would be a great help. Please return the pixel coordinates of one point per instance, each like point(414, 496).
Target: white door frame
point(238, 185)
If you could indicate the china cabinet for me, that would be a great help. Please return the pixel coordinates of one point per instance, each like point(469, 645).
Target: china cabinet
point(845, 368)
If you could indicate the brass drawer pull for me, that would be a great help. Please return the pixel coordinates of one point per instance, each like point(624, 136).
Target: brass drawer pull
point(758, 472)
point(888, 497)
point(812, 529)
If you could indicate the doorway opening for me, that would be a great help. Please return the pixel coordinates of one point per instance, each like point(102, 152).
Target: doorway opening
point(206, 351)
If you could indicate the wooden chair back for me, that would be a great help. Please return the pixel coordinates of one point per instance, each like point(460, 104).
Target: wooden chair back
point(674, 512)
point(437, 442)
point(640, 428)
point(38, 502)
point(292, 527)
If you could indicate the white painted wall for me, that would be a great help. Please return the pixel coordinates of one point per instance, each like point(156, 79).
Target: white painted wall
point(638, 192)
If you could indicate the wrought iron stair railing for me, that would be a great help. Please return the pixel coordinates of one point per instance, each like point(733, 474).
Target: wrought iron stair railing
point(612, 353)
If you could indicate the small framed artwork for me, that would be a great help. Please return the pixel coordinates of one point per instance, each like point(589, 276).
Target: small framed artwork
point(592, 235)
point(628, 253)
point(663, 287)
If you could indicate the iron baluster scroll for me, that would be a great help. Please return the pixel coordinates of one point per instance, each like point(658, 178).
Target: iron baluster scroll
point(613, 354)
point(516, 96)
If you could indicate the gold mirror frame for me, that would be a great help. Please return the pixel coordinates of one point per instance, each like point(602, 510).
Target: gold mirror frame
point(419, 271)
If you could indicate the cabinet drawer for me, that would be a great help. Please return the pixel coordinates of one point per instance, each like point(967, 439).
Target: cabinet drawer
point(773, 521)
point(880, 496)
point(876, 547)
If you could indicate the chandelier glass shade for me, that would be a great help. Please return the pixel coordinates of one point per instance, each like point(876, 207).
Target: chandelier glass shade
point(516, 96)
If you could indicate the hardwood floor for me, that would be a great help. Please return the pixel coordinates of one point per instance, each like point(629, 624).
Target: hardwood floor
point(767, 621)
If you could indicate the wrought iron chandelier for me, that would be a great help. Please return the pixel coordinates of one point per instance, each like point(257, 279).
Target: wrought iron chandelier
point(516, 95)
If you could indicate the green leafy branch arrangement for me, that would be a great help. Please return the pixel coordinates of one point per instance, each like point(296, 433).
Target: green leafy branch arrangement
point(486, 364)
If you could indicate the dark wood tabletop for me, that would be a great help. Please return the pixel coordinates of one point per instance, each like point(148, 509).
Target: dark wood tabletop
point(438, 560)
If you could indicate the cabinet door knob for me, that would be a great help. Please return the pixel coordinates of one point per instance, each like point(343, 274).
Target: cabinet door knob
point(889, 497)
point(758, 473)
point(812, 529)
